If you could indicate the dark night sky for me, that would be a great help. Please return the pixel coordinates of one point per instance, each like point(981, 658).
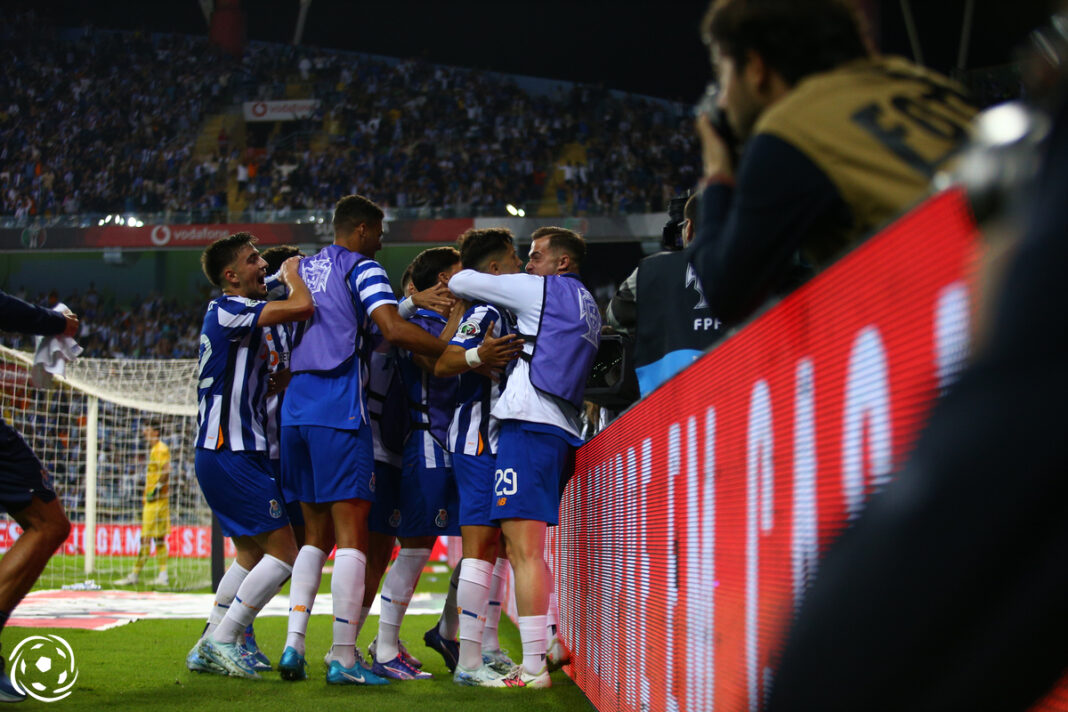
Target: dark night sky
point(638, 45)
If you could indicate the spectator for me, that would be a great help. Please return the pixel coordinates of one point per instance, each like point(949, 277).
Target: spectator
point(838, 141)
point(949, 590)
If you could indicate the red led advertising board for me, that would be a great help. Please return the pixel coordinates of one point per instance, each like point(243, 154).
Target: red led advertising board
point(694, 521)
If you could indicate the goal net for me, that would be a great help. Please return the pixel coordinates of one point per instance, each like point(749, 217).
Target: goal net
point(88, 430)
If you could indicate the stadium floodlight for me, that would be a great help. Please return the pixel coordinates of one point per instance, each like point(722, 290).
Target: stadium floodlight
point(512, 210)
point(522, 213)
point(119, 220)
point(107, 219)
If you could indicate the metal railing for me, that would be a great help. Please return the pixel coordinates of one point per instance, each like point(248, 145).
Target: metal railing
point(209, 217)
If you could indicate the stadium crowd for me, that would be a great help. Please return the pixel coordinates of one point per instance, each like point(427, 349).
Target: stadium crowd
point(759, 225)
point(150, 328)
point(107, 122)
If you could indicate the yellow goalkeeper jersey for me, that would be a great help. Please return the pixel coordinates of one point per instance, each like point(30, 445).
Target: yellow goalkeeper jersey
point(159, 461)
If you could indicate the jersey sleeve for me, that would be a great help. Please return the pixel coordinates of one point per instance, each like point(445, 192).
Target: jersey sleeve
point(21, 316)
point(475, 326)
point(238, 316)
point(276, 288)
point(518, 292)
point(370, 285)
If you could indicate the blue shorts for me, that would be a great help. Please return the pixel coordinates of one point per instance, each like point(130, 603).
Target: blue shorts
point(385, 514)
point(474, 481)
point(241, 491)
point(531, 458)
point(429, 503)
point(322, 464)
point(293, 510)
point(22, 476)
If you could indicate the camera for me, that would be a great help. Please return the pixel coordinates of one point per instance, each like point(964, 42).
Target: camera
point(671, 237)
point(708, 106)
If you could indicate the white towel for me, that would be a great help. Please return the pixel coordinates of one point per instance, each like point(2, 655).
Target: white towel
point(52, 355)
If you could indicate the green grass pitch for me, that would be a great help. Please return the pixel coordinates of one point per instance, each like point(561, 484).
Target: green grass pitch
point(141, 666)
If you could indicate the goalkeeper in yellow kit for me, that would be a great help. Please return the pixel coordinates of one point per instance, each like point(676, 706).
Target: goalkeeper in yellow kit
point(156, 519)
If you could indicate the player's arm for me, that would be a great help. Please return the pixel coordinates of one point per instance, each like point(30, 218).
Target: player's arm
point(426, 363)
point(298, 306)
point(516, 292)
point(164, 465)
point(278, 381)
point(494, 351)
point(405, 334)
point(164, 476)
point(434, 297)
point(23, 317)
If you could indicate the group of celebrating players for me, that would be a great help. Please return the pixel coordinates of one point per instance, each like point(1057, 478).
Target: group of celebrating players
point(330, 415)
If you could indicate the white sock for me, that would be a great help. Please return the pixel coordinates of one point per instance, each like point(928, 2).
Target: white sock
point(256, 590)
point(363, 619)
point(228, 586)
point(397, 590)
point(449, 621)
point(350, 566)
point(532, 633)
point(472, 595)
point(490, 641)
point(307, 575)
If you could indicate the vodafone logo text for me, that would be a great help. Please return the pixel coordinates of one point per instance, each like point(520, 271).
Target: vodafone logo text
point(161, 235)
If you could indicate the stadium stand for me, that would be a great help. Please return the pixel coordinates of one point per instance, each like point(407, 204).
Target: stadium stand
point(150, 328)
point(440, 140)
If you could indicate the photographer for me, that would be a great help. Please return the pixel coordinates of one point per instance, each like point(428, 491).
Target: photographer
point(674, 326)
point(836, 142)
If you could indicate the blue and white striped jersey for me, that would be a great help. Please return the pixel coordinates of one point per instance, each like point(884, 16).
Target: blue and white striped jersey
point(232, 377)
point(277, 341)
point(431, 400)
point(336, 399)
point(473, 431)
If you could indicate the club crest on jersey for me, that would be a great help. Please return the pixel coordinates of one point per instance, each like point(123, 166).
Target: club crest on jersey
point(442, 520)
point(592, 316)
point(468, 328)
point(276, 509)
point(315, 271)
point(395, 519)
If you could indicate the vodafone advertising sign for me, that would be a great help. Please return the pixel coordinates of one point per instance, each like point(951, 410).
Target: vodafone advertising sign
point(280, 110)
point(694, 522)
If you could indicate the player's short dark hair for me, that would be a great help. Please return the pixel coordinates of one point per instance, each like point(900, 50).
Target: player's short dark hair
point(154, 423)
point(796, 38)
point(428, 263)
point(479, 246)
point(220, 254)
point(353, 210)
point(561, 238)
point(275, 256)
point(405, 278)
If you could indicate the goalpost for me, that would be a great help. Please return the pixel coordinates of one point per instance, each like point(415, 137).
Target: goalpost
point(88, 432)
